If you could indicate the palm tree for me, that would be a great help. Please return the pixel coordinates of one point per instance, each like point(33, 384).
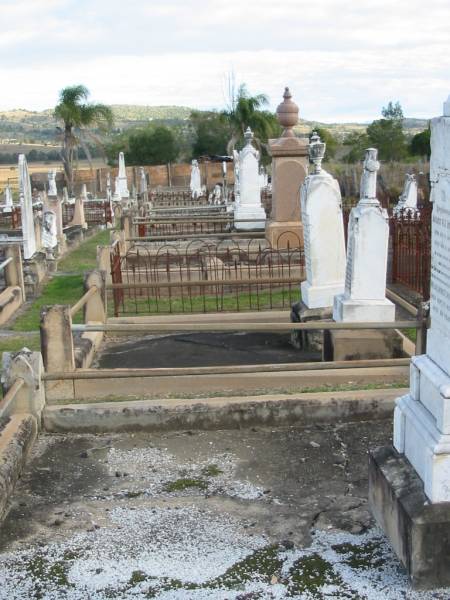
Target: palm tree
point(77, 115)
point(247, 111)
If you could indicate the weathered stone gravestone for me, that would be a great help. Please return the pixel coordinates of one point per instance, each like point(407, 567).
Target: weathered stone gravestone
point(323, 230)
point(8, 206)
point(249, 213)
point(49, 233)
point(409, 488)
point(26, 206)
point(236, 176)
point(407, 202)
point(143, 187)
point(364, 298)
point(122, 179)
point(52, 191)
point(195, 184)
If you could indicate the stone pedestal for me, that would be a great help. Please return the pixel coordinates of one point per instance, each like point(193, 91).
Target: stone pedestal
point(324, 241)
point(361, 344)
point(418, 530)
point(410, 491)
point(289, 169)
point(308, 340)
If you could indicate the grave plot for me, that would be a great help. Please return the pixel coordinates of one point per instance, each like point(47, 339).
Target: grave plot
point(260, 513)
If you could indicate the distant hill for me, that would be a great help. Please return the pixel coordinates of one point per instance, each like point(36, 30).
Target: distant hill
point(21, 125)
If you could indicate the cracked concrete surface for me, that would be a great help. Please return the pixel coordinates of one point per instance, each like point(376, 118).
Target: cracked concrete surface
point(187, 507)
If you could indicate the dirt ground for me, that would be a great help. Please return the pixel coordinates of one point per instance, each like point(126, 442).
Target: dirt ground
point(249, 514)
point(201, 349)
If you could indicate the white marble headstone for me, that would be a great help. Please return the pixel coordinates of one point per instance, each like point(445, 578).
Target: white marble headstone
point(324, 241)
point(49, 233)
point(52, 191)
point(122, 178)
point(8, 200)
point(364, 298)
point(249, 214)
point(195, 184)
point(26, 205)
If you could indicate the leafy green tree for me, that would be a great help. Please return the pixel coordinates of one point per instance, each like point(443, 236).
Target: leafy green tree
point(327, 137)
point(212, 133)
point(248, 111)
point(387, 133)
point(78, 117)
point(152, 146)
point(357, 142)
point(420, 144)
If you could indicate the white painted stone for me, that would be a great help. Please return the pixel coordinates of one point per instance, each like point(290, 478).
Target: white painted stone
point(422, 417)
point(52, 191)
point(26, 206)
point(109, 194)
point(446, 112)
point(324, 242)
point(122, 181)
point(195, 184)
point(116, 196)
point(84, 194)
point(49, 233)
point(364, 298)
point(8, 206)
point(249, 213)
point(407, 202)
point(236, 176)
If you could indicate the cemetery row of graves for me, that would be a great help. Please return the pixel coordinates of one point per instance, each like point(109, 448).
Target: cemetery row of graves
point(247, 255)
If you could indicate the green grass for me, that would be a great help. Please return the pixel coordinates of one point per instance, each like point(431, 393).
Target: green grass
point(184, 484)
point(209, 303)
point(15, 343)
point(84, 257)
point(65, 289)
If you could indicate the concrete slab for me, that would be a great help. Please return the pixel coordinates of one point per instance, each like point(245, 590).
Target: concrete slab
point(260, 513)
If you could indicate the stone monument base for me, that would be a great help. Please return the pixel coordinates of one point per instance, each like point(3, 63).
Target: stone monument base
point(418, 531)
point(283, 233)
point(318, 296)
point(422, 426)
point(312, 340)
point(361, 344)
point(346, 309)
point(256, 216)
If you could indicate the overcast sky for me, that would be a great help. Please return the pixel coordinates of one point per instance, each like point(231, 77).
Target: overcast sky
point(343, 59)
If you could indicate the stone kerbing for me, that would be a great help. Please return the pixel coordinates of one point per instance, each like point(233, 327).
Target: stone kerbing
point(16, 439)
point(220, 413)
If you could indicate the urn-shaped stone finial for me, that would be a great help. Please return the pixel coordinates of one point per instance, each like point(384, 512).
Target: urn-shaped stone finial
point(316, 152)
point(248, 136)
point(287, 113)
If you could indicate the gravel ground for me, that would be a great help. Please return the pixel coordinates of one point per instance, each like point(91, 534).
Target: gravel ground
point(261, 513)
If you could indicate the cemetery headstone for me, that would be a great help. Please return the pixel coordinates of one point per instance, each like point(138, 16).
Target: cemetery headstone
point(26, 205)
point(52, 191)
point(323, 229)
point(195, 184)
point(364, 298)
point(409, 483)
point(122, 181)
point(249, 214)
point(407, 202)
point(289, 169)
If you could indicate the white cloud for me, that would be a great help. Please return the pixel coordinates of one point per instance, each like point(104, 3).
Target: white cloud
point(343, 60)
